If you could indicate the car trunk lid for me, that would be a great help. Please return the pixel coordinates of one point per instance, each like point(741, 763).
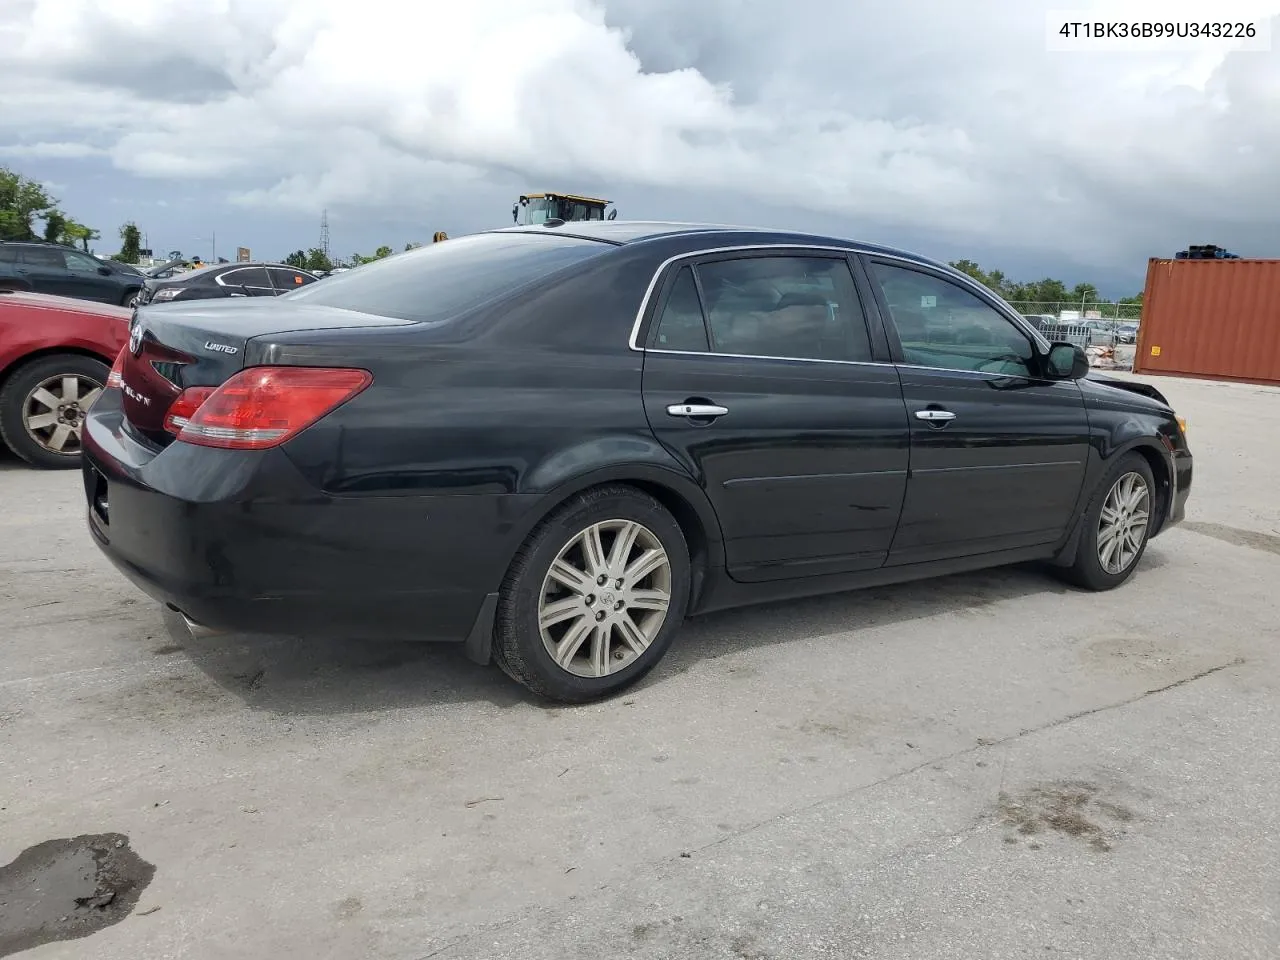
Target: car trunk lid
point(173, 347)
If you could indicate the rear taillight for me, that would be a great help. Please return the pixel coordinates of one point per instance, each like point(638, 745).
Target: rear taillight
point(180, 410)
point(116, 377)
point(263, 407)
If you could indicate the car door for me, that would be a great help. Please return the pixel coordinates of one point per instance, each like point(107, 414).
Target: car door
point(998, 450)
point(45, 269)
point(246, 282)
point(285, 280)
point(761, 377)
point(85, 274)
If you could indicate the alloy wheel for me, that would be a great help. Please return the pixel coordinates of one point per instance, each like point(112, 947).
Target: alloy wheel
point(54, 412)
point(605, 598)
point(1122, 527)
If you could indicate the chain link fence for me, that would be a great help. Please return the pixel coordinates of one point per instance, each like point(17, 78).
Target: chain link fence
point(1115, 312)
point(1088, 324)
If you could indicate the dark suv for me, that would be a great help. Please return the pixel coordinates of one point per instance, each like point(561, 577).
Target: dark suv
point(52, 268)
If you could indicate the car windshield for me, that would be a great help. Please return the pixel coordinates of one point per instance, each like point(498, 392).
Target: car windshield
point(447, 278)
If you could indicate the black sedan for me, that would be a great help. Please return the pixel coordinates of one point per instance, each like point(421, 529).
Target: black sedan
point(554, 443)
point(227, 280)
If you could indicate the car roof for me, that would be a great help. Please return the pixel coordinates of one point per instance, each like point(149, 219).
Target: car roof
point(623, 232)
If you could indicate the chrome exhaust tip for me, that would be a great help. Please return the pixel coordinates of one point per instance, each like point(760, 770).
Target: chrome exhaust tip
point(198, 630)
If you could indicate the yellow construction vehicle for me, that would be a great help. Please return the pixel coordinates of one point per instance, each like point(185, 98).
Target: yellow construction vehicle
point(541, 207)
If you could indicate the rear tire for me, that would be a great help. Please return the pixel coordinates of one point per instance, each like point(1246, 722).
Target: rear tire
point(611, 609)
point(1111, 547)
point(39, 419)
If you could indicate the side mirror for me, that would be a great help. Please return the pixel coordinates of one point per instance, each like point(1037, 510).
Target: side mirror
point(1067, 361)
point(105, 271)
point(613, 214)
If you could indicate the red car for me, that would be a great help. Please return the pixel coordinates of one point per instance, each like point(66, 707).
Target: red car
point(55, 354)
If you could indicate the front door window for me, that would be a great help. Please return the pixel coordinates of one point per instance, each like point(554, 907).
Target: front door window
point(942, 325)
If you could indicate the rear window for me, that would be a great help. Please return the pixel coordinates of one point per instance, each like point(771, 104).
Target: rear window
point(449, 277)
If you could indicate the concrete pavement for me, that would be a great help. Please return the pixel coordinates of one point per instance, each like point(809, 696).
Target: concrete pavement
point(985, 766)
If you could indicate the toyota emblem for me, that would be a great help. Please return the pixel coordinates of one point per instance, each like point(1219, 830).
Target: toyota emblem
point(135, 339)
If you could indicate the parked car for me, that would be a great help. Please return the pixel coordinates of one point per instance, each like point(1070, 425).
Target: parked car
point(55, 353)
point(555, 442)
point(52, 268)
point(1127, 333)
point(227, 280)
point(1040, 321)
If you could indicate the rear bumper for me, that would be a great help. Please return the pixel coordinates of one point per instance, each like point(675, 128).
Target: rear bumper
point(240, 542)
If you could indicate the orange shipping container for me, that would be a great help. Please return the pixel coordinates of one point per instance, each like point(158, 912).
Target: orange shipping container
point(1218, 319)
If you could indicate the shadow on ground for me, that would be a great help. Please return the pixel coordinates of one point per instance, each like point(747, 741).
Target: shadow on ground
point(297, 675)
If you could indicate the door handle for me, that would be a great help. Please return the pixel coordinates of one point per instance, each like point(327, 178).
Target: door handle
point(696, 410)
point(935, 416)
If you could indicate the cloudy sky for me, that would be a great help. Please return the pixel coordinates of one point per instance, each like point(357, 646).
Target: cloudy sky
point(946, 127)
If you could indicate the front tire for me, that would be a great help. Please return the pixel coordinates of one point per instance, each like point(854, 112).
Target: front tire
point(1117, 526)
point(594, 597)
point(43, 405)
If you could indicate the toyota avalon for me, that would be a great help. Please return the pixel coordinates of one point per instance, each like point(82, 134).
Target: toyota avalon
point(553, 443)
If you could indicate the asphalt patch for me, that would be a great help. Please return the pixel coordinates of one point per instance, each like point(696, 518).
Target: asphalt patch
point(69, 889)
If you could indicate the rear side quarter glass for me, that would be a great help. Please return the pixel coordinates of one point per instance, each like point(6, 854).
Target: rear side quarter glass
point(681, 324)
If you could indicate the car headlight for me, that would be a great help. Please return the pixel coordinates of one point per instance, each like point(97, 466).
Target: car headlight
point(166, 294)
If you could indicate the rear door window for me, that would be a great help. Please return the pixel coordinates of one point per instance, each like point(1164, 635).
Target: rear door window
point(49, 257)
point(445, 279)
point(254, 280)
point(288, 280)
point(791, 307)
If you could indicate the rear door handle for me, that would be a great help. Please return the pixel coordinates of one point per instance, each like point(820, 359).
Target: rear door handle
point(696, 410)
point(935, 416)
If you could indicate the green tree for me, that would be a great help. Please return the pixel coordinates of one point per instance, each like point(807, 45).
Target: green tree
point(297, 259)
point(77, 233)
point(55, 227)
point(382, 253)
point(130, 243)
point(317, 261)
point(22, 201)
point(1047, 291)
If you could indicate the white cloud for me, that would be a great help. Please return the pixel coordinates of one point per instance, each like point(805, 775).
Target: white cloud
point(925, 114)
point(50, 151)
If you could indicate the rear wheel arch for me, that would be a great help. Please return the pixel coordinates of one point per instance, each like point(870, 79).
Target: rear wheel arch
point(681, 497)
point(45, 352)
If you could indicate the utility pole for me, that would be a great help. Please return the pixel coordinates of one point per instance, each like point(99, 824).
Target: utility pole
point(324, 233)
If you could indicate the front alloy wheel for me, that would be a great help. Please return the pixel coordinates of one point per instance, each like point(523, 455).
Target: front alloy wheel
point(1122, 525)
point(605, 598)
